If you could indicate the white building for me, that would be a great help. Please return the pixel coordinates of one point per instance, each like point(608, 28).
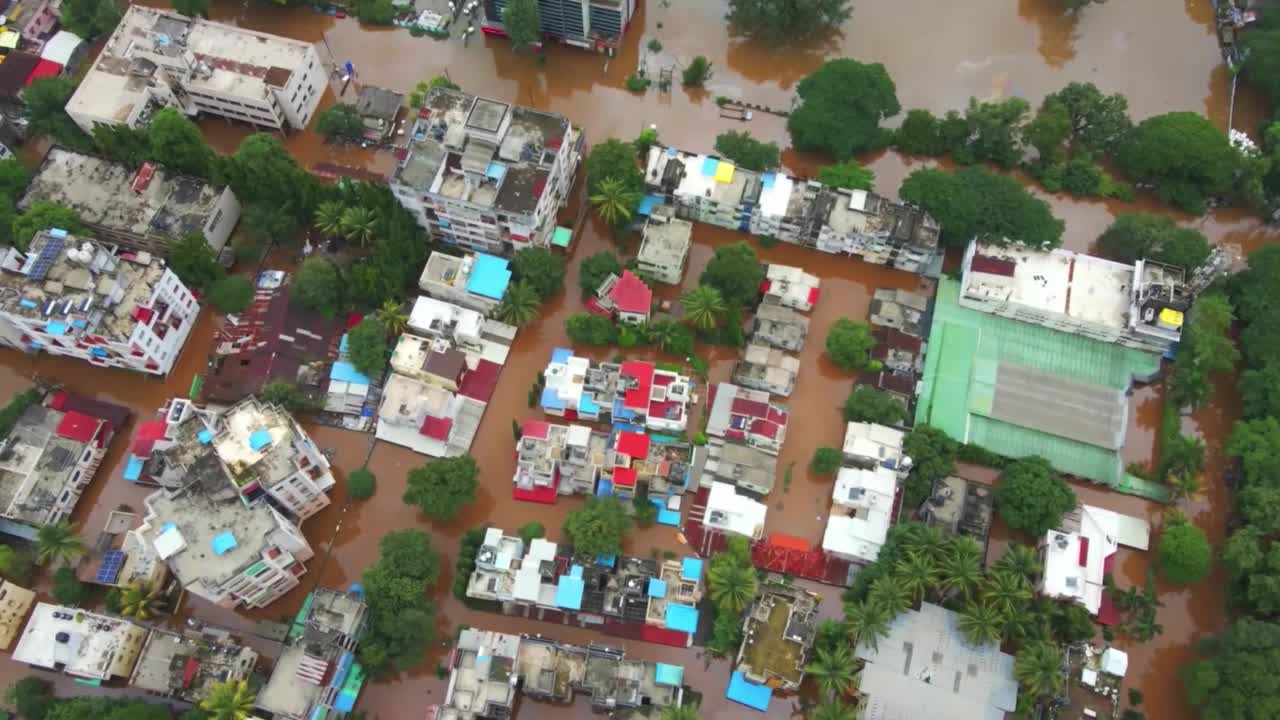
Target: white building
point(142, 209)
point(486, 175)
point(861, 512)
point(157, 58)
point(80, 298)
point(1142, 306)
point(476, 281)
point(868, 445)
point(767, 368)
point(790, 287)
point(80, 643)
point(664, 246)
point(1078, 556)
point(733, 512)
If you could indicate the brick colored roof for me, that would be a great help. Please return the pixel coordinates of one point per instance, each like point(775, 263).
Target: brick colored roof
point(637, 398)
point(436, 428)
point(631, 295)
point(77, 426)
point(633, 444)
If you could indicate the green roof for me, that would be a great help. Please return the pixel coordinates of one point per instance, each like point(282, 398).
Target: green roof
point(967, 348)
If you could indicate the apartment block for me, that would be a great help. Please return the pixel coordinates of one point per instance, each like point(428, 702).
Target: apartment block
point(708, 189)
point(766, 368)
point(1079, 554)
point(781, 327)
point(79, 298)
point(79, 643)
point(590, 24)
point(157, 58)
point(747, 416)
point(778, 635)
point(141, 210)
point(187, 665)
point(790, 287)
point(553, 460)
point(476, 281)
point(739, 466)
point(486, 175)
point(317, 676)
point(664, 246)
point(633, 392)
point(862, 504)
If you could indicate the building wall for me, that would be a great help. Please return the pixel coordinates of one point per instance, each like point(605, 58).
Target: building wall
point(222, 221)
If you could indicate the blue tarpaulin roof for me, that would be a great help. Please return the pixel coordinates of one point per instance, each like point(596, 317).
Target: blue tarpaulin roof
point(709, 166)
point(55, 327)
point(342, 345)
point(665, 516)
point(607, 560)
point(259, 439)
point(205, 437)
point(489, 277)
point(569, 592)
point(648, 204)
point(560, 355)
point(343, 371)
point(691, 569)
point(768, 179)
point(587, 404)
point(551, 399)
point(657, 588)
point(741, 690)
point(665, 674)
point(604, 488)
point(224, 542)
point(133, 469)
point(682, 617)
point(496, 170)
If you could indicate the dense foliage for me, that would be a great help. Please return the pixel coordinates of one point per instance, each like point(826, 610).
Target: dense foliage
point(841, 106)
point(523, 24)
point(1235, 678)
point(736, 272)
point(598, 527)
point(540, 269)
point(849, 175)
point(361, 484)
point(1135, 236)
point(401, 617)
point(933, 457)
point(443, 487)
point(1032, 497)
point(867, 404)
point(231, 293)
point(974, 202)
point(746, 151)
point(587, 328)
point(367, 347)
point(317, 286)
point(849, 344)
point(789, 21)
point(341, 121)
point(1184, 553)
point(1206, 349)
point(1182, 154)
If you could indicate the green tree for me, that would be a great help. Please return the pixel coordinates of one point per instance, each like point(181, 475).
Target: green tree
point(835, 670)
point(1007, 592)
point(1136, 236)
point(919, 134)
point(615, 204)
point(867, 623)
point(519, 305)
point(15, 565)
point(58, 544)
point(826, 460)
point(90, 18)
point(229, 700)
point(704, 307)
point(671, 337)
point(231, 293)
point(191, 8)
point(746, 151)
point(1257, 444)
point(1260, 391)
point(1263, 67)
point(918, 573)
point(46, 100)
point(1048, 132)
point(374, 12)
point(1235, 677)
point(933, 456)
point(981, 623)
point(176, 142)
point(367, 347)
point(736, 272)
point(263, 168)
point(891, 594)
point(849, 344)
point(123, 144)
point(400, 615)
point(441, 489)
point(270, 224)
point(1206, 349)
point(392, 317)
point(1038, 669)
point(613, 158)
point(697, 72)
point(595, 268)
point(590, 329)
point(648, 138)
point(13, 178)
point(361, 484)
point(787, 22)
point(67, 588)
point(328, 217)
point(342, 121)
point(317, 287)
point(995, 131)
point(960, 570)
point(1020, 560)
point(359, 225)
point(523, 23)
point(974, 202)
point(539, 268)
point(867, 404)
point(31, 696)
point(726, 634)
point(731, 578)
point(286, 395)
point(1096, 123)
point(679, 712)
point(1184, 552)
point(598, 527)
point(1032, 497)
point(44, 215)
point(141, 601)
point(531, 531)
point(835, 711)
point(841, 106)
point(1185, 156)
point(849, 175)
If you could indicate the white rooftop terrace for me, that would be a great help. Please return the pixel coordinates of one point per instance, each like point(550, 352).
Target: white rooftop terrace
point(731, 511)
point(1083, 287)
point(862, 501)
point(82, 643)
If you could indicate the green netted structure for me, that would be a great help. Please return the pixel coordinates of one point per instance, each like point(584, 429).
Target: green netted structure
point(1020, 389)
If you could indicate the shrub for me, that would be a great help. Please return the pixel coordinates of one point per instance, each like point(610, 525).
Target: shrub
point(826, 460)
point(361, 484)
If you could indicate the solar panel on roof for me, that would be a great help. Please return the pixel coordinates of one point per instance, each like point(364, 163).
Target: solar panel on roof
point(109, 570)
point(44, 261)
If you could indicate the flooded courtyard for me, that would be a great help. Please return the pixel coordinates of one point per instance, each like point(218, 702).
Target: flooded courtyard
point(1161, 55)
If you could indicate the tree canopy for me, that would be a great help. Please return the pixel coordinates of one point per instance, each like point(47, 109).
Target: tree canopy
point(361, 484)
point(590, 329)
point(1182, 154)
point(849, 344)
point(1206, 349)
point(1134, 236)
point(318, 287)
point(401, 621)
point(191, 8)
point(1235, 677)
point(613, 158)
point(933, 457)
point(367, 347)
point(789, 21)
point(595, 268)
point(1095, 122)
point(90, 18)
point(540, 269)
point(598, 527)
point(849, 175)
point(736, 272)
point(1032, 497)
point(841, 106)
point(867, 404)
point(44, 215)
point(46, 100)
point(1184, 553)
point(231, 293)
point(192, 260)
point(746, 151)
point(523, 23)
point(974, 202)
point(175, 142)
point(443, 487)
point(340, 121)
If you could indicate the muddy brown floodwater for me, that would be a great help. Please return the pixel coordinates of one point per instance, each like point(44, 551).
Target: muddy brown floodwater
point(1160, 54)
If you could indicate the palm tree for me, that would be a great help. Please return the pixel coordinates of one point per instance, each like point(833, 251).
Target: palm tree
point(835, 711)
point(1038, 669)
point(519, 306)
point(1183, 485)
point(58, 544)
point(867, 623)
point(918, 574)
point(733, 586)
point(1007, 592)
point(613, 202)
point(1022, 560)
point(704, 306)
point(679, 712)
point(927, 540)
point(835, 669)
point(359, 225)
point(392, 317)
point(961, 570)
point(140, 600)
point(663, 334)
point(981, 623)
point(231, 700)
point(891, 595)
point(328, 217)
point(829, 633)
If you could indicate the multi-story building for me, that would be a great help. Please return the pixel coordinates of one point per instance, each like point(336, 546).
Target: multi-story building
point(790, 287)
point(48, 459)
point(704, 188)
point(767, 368)
point(187, 666)
point(625, 298)
point(730, 511)
point(781, 327)
point(1079, 555)
point(1142, 306)
point(79, 298)
point(317, 676)
point(747, 416)
point(556, 460)
point(15, 603)
point(486, 175)
point(33, 19)
point(143, 209)
point(867, 445)
point(862, 503)
point(664, 246)
point(80, 643)
point(592, 24)
point(740, 466)
point(260, 450)
point(633, 392)
point(476, 281)
point(157, 58)
point(778, 635)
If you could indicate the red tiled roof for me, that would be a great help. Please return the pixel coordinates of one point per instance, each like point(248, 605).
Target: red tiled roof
point(436, 428)
point(1108, 613)
point(593, 305)
point(789, 542)
point(633, 444)
point(78, 426)
point(543, 495)
point(637, 398)
point(764, 428)
point(750, 408)
point(59, 400)
point(630, 294)
point(626, 477)
point(479, 382)
point(535, 428)
point(992, 265)
point(112, 413)
point(776, 416)
point(43, 69)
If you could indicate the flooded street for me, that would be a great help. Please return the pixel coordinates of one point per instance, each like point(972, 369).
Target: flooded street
point(1161, 55)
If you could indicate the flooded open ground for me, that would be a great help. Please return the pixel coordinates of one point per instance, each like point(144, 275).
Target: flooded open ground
point(1160, 53)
